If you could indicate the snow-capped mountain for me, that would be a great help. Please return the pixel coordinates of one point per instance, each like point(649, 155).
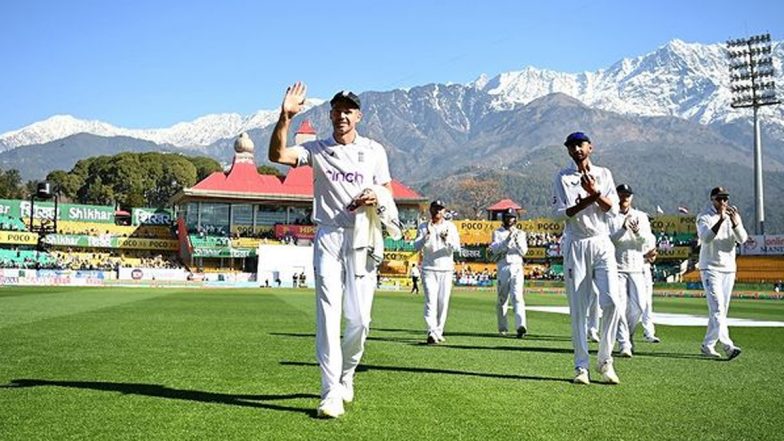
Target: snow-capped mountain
point(200, 132)
point(686, 80)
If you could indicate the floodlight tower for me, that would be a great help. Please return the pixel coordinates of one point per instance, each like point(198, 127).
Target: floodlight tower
point(752, 85)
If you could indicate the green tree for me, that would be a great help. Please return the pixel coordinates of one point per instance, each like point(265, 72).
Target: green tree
point(10, 184)
point(268, 170)
point(204, 166)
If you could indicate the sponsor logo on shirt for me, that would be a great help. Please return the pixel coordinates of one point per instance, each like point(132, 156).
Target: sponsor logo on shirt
point(339, 176)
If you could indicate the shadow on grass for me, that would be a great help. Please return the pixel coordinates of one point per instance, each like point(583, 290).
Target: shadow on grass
point(418, 341)
point(676, 355)
point(159, 391)
point(542, 337)
point(425, 370)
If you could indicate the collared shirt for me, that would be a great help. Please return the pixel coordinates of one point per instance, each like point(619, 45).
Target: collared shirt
point(591, 221)
point(630, 247)
point(340, 173)
point(717, 251)
point(437, 252)
point(511, 251)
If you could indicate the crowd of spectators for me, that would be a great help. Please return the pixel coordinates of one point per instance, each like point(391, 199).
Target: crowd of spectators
point(542, 239)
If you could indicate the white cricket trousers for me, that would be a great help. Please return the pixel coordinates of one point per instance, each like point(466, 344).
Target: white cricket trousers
point(586, 262)
point(337, 286)
point(631, 296)
point(438, 289)
point(510, 287)
point(718, 290)
point(647, 314)
point(594, 312)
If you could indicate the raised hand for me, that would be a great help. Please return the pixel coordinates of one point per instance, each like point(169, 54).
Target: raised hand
point(633, 224)
point(732, 212)
point(588, 183)
point(294, 99)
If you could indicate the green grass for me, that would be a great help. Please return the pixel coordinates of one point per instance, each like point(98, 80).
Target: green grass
point(169, 364)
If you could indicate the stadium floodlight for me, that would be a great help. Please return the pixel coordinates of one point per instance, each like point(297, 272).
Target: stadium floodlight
point(752, 85)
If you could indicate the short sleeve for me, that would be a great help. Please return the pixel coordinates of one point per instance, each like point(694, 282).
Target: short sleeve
point(303, 155)
point(381, 174)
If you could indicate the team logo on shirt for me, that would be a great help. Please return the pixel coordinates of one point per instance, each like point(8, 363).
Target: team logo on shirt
point(339, 176)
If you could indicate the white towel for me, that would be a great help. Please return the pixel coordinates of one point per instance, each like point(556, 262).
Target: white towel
point(368, 240)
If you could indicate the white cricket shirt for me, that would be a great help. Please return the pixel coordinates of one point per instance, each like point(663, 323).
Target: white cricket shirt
point(591, 221)
point(340, 173)
point(717, 251)
point(630, 248)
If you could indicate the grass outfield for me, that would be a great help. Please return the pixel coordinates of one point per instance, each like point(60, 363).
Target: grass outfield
point(169, 364)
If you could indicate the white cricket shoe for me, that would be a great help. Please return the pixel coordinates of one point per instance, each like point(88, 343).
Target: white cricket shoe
point(330, 408)
point(593, 336)
point(608, 373)
point(625, 353)
point(581, 376)
point(347, 392)
point(709, 351)
point(652, 339)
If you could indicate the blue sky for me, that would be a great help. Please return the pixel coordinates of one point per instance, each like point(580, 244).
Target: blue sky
point(148, 64)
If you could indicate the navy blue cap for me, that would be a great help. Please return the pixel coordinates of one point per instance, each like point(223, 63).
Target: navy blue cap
point(719, 191)
point(509, 212)
point(348, 97)
point(438, 203)
point(624, 188)
point(576, 138)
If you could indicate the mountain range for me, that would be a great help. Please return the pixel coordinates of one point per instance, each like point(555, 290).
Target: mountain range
point(663, 119)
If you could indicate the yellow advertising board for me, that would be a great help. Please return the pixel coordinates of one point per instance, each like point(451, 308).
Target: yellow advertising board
point(18, 238)
point(245, 242)
point(673, 224)
point(542, 225)
point(398, 262)
point(476, 232)
point(675, 253)
point(536, 253)
point(147, 244)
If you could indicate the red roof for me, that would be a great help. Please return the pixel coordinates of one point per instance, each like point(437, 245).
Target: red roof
point(305, 128)
point(243, 178)
point(504, 204)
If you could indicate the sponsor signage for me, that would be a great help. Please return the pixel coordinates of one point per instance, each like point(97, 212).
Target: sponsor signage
point(222, 252)
point(681, 253)
point(536, 253)
point(107, 241)
point(245, 242)
point(476, 253)
point(397, 263)
point(298, 231)
point(542, 225)
point(674, 224)
point(18, 238)
point(476, 232)
point(151, 216)
point(767, 245)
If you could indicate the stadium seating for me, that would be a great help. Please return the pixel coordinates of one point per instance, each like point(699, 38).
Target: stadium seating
point(751, 269)
point(25, 259)
point(98, 229)
point(760, 269)
point(8, 223)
